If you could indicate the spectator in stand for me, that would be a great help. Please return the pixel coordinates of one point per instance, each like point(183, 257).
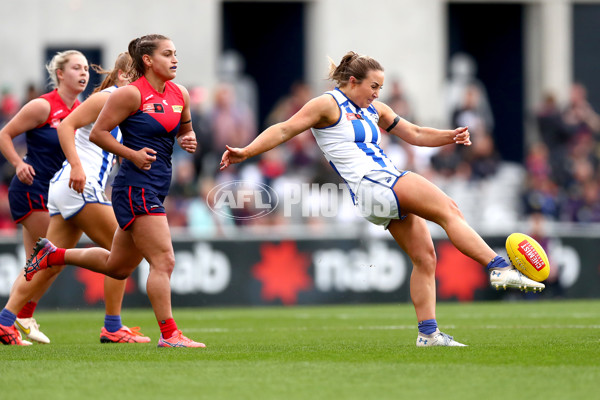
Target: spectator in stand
point(300, 153)
point(448, 161)
point(231, 121)
point(9, 105)
point(580, 191)
point(31, 93)
point(205, 160)
point(183, 189)
point(584, 205)
point(483, 159)
point(555, 135)
point(202, 220)
point(470, 113)
point(579, 116)
point(399, 102)
point(552, 129)
point(541, 194)
point(463, 77)
point(230, 71)
point(399, 149)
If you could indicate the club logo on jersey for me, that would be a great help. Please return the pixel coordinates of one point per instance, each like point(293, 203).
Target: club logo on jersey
point(177, 109)
point(153, 108)
point(352, 116)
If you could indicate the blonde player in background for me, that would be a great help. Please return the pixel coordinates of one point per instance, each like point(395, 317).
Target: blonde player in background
point(78, 204)
point(153, 113)
point(28, 191)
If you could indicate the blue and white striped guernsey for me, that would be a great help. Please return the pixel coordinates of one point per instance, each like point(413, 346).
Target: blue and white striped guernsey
point(351, 145)
point(96, 162)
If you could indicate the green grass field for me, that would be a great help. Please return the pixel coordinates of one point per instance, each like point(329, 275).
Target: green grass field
point(524, 350)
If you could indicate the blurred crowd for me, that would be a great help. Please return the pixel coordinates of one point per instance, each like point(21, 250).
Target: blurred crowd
point(558, 178)
point(563, 164)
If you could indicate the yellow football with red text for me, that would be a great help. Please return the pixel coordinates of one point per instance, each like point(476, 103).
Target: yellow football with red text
point(528, 256)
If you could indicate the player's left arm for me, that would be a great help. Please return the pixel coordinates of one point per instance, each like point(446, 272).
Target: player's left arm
point(186, 136)
point(418, 135)
point(83, 115)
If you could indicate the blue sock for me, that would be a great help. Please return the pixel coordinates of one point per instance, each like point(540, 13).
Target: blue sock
point(112, 323)
point(498, 263)
point(428, 326)
point(7, 318)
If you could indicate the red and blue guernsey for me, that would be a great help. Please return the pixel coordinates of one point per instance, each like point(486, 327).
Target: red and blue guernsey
point(154, 125)
point(44, 153)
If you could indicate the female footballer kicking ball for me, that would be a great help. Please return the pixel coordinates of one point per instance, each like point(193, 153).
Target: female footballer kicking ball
point(346, 124)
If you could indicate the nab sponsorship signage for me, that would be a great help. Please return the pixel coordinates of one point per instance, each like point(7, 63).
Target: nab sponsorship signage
point(323, 271)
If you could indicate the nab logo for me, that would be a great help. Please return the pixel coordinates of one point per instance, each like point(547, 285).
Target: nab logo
point(242, 200)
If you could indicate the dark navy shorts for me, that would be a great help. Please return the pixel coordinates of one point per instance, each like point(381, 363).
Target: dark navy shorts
point(130, 201)
point(22, 204)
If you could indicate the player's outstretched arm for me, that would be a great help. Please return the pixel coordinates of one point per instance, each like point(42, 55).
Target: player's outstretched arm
point(313, 113)
point(418, 135)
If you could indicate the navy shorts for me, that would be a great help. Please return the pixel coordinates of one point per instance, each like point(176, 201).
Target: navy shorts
point(130, 201)
point(22, 204)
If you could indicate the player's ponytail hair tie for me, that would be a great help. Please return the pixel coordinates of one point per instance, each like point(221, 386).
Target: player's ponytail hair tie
point(122, 65)
point(138, 48)
point(352, 64)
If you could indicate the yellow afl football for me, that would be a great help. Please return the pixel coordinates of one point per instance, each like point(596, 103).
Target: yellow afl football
point(528, 256)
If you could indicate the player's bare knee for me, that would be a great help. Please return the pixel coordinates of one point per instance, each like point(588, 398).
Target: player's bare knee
point(169, 267)
point(165, 263)
point(425, 259)
point(121, 273)
point(451, 211)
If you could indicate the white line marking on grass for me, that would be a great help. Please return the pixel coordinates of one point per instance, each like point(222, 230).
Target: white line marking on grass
point(381, 328)
point(541, 327)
